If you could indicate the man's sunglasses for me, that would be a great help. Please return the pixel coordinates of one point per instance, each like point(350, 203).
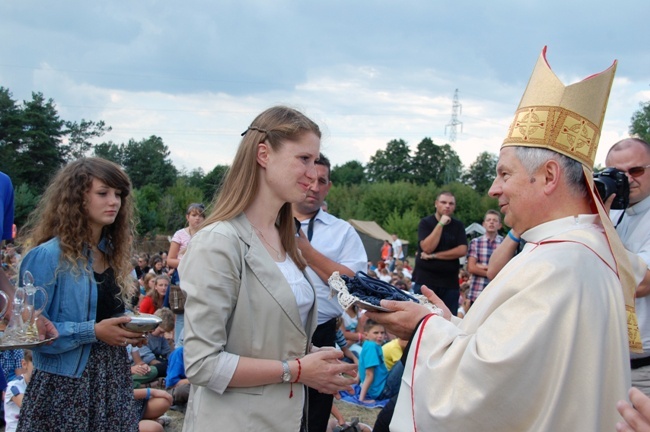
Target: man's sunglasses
point(637, 171)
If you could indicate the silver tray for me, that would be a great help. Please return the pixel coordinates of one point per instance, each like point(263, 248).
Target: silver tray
point(142, 323)
point(24, 345)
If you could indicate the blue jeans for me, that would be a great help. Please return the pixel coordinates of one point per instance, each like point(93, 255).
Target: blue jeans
point(178, 330)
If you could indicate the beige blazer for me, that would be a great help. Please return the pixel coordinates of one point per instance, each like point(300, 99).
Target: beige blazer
point(239, 302)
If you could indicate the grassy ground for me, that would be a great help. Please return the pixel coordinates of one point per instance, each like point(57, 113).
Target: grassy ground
point(349, 411)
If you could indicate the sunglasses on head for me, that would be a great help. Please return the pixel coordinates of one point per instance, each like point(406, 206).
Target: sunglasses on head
point(196, 206)
point(636, 171)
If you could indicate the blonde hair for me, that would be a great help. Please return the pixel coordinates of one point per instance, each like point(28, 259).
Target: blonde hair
point(241, 183)
point(167, 317)
point(157, 298)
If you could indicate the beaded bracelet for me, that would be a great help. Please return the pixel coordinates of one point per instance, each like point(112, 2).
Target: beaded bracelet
point(299, 370)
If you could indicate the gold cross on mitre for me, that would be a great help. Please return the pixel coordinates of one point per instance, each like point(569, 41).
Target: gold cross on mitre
point(565, 119)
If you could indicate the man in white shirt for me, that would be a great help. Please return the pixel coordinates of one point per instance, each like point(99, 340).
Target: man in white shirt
point(398, 253)
point(328, 244)
point(632, 155)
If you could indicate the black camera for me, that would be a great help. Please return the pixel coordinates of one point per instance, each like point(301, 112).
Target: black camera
point(612, 180)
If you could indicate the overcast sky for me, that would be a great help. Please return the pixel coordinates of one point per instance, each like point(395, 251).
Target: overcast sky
point(367, 71)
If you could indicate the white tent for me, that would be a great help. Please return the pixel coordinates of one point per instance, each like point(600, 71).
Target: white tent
point(475, 229)
point(373, 236)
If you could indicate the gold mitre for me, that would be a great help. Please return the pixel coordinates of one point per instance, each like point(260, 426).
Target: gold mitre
point(565, 119)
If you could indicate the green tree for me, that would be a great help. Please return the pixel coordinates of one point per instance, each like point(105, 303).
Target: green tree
point(343, 201)
point(426, 163)
point(405, 225)
point(212, 181)
point(147, 200)
point(11, 127)
point(641, 122)
point(348, 174)
point(25, 200)
point(194, 178)
point(110, 151)
point(147, 162)
point(452, 167)
point(392, 164)
point(172, 206)
point(80, 136)
point(379, 200)
point(481, 172)
point(39, 153)
point(434, 163)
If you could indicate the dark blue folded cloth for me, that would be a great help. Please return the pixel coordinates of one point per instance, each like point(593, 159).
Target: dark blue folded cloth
point(373, 290)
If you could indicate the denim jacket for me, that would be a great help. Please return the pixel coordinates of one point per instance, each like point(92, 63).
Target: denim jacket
point(72, 306)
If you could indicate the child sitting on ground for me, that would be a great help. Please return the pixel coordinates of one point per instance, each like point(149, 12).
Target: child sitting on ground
point(372, 369)
point(157, 349)
point(377, 383)
point(342, 343)
point(15, 391)
point(393, 351)
point(151, 405)
point(177, 382)
point(154, 300)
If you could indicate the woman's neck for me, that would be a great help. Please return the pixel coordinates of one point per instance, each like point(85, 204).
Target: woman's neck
point(262, 218)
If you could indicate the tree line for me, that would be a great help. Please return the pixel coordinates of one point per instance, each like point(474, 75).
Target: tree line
point(396, 188)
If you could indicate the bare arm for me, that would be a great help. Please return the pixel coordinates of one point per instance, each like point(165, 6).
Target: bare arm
point(501, 255)
point(370, 376)
point(172, 255)
point(18, 399)
point(475, 268)
point(430, 242)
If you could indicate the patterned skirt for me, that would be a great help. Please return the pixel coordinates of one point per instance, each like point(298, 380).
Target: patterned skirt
point(100, 400)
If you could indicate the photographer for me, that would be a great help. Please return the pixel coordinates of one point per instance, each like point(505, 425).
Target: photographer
point(632, 156)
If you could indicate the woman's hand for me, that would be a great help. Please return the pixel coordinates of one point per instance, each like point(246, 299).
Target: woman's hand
point(46, 329)
point(140, 369)
point(322, 370)
point(111, 331)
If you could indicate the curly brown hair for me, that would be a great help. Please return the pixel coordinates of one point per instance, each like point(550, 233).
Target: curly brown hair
point(62, 213)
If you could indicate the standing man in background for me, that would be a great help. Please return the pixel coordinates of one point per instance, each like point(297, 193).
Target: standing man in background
point(632, 156)
point(441, 242)
point(398, 252)
point(328, 244)
point(480, 251)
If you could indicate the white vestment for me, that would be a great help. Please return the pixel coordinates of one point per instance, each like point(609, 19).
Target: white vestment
point(544, 348)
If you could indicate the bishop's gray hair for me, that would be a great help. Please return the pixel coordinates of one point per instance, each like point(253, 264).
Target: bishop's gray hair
point(532, 158)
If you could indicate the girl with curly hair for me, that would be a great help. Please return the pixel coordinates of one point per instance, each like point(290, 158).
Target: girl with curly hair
point(80, 239)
